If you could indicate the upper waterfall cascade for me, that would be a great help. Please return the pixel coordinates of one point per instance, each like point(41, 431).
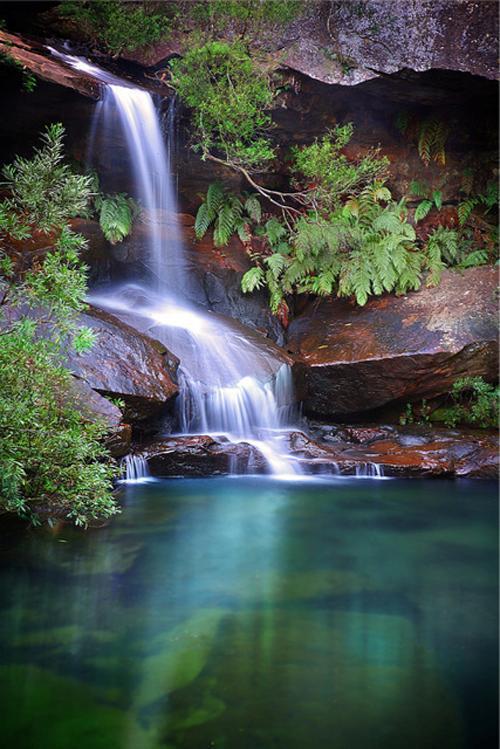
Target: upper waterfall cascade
point(228, 383)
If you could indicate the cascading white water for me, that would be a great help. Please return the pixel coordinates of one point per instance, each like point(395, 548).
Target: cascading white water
point(370, 470)
point(228, 385)
point(135, 468)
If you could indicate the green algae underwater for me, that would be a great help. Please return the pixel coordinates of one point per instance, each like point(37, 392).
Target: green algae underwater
point(257, 614)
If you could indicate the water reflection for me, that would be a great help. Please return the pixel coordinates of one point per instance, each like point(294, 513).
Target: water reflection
point(247, 614)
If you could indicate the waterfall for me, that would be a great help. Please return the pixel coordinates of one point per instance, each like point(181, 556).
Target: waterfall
point(135, 468)
point(370, 470)
point(229, 384)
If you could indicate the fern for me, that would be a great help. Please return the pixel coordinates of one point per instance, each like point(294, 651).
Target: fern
point(418, 189)
point(202, 221)
point(422, 210)
point(475, 258)
point(227, 214)
point(465, 209)
point(253, 279)
point(276, 264)
point(442, 249)
point(253, 208)
point(274, 230)
point(116, 216)
point(437, 197)
point(214, 200)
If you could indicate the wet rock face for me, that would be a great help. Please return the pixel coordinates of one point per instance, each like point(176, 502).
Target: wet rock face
point(202, 455)
point(33, 55)
point(356, 359)
point(332, 450)
point(403, 451)
point(128, 365)
point(214, 273)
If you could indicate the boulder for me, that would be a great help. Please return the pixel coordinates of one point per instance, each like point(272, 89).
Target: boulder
point(396, 349)
point(128, 365)
point(350, 42)
point(202, 455)
point(95, 406)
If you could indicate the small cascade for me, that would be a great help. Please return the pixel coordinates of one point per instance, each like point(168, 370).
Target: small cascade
point(135, 468)
point(370, 470)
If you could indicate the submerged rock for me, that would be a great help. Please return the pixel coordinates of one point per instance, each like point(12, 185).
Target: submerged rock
point(415, 346)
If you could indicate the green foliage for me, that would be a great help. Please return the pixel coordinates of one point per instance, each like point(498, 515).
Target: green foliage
point(249, 15)
point(330, 173)
point(116, 25)
point(430, 135)
point(227, 214)
point(475, 402)
point(44, 192)
point(51, 453)
point(228, 97)
point(364, 247)
point(487, 200)
point(432, 199)
point(28, 79)
point(416, 414)
point(116, 213)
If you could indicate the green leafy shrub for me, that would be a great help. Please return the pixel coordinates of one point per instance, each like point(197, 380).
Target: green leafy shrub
point(330, 174)
point(116, 25)
point(249, 17)
point(44, 192)
point(228, 97)
point(475, 402)
point(51, 454)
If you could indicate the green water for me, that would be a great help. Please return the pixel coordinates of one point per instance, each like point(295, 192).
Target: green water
point(247, 614)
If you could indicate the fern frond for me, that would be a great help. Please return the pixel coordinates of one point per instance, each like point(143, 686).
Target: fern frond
point(251, 280)
point(387, 221)
point(115, 217)
point(202, 221)
point(422, 210)
point(473, 259)
point(437, 197)
point(253, 208)
point(224, 225)
point(465, 209)
point(274, 230)
point(418, 189)
point(242, 229)
point(214, 199)
point(322, 285)
point(276, 264)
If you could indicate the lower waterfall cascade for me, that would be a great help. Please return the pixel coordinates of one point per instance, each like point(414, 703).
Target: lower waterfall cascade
point(228, 385)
